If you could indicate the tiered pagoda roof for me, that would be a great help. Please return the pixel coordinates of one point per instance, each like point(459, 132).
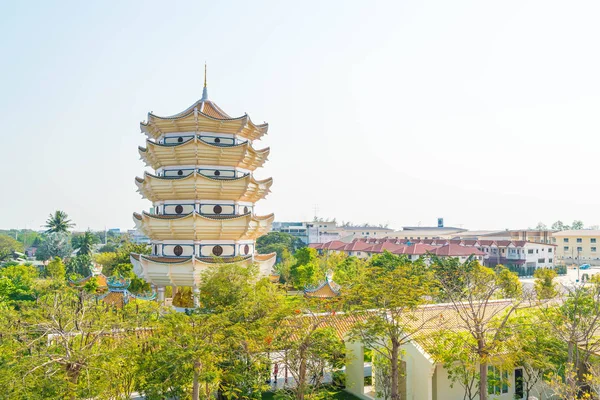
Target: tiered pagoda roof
point(181, 271)
point(325, 290)
point(197, 186)
point(203, 115)
point(196, 151)
point(195, 226)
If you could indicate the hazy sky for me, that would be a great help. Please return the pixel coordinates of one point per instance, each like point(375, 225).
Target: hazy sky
point(481, 112)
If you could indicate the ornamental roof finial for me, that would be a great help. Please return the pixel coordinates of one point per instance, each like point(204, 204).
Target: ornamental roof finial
point(204, 91)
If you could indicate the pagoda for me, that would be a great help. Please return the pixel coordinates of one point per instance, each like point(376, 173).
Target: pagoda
point(203, 193)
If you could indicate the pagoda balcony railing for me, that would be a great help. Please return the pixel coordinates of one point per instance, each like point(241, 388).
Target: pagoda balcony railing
point(209, 139)
point(215, 173)
point(216, 209)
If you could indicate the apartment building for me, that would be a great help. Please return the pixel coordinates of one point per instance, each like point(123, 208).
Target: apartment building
point(582, 245)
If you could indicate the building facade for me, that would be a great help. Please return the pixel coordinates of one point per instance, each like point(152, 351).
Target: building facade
point(578, 246)
point(203, 193)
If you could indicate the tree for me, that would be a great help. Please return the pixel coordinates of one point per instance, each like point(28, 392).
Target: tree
point(58, 222)
point(389, 313)
point(306, 271)
point(84, 244)
point(577, 224)
point(277, 242)
point(472, 293)
point(460, 362)
point(576, 322)
point(310, 346)
point(17, 283)
point(544, 285)
point(559, 226)
point(56, 269)
point(79, 265)
point(541, 226)
point(8, 246)
point(54, 245)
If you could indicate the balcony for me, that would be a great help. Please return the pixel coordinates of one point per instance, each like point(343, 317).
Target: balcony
point(209, 139)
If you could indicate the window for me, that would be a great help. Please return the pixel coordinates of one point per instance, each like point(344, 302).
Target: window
point(550, 260)
point(530, 251)
point(541, 260)
point(593, 240)
point(566, 248)
point(593, 249)
point(580, 249)
point(550, 250)
point(566, 240)
point(497, 381)
point(579, 240)
point(519, 392)
point(536, 251)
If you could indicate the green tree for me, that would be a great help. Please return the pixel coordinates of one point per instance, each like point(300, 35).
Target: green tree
point(577, 224)
point(84, 244)
point(17, 283)
point(388, 314)
point(79, 265)
point(57, 270)
point(306, 271)
point(277, 242)
point(8, 246)
point(54, 245)
point(544, 285)
point(58, 222)
point(559, 226)
point(472, 293)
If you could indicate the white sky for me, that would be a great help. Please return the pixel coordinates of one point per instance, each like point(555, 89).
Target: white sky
point(481, 112)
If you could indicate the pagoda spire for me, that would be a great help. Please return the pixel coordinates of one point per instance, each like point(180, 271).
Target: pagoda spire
point(204, 91)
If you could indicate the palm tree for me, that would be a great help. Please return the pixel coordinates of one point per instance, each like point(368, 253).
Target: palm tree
point(58, 222)
point(86, 243)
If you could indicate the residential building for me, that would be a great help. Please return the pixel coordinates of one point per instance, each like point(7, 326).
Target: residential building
point(302, 230)
point(528, 235)
point(578, 246)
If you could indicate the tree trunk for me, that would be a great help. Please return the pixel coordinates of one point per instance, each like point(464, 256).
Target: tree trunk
point(196, 384)
point(394, 370)
point(483, 371)
point(302, 376)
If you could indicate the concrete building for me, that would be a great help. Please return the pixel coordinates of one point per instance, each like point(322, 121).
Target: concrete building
point(578, 246)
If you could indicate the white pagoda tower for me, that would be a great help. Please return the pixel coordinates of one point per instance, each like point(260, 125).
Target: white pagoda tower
point(203, 193)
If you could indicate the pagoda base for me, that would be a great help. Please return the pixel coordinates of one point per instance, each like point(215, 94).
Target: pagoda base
point(170, 271)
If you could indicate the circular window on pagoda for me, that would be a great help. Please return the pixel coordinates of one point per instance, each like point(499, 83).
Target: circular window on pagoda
point(217, 209)
point(179, 209)
point(178, 250)
point(217, 140)
point(246, 209)
point(217, 173)
point(180, 172)
point(217, 250)
point(179, 139)
point(246, 249)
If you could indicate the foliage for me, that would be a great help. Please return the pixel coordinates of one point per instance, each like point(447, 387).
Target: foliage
point(84, 244)
point(58, 222)
point(56, 244)
point(17, 283)
point(278, 242)
point(453, 350)
point(79, 265)
point(389, 315)
point(545, 287)
point(472, 291)
point(306, 271)
point(310, 347)
point(8, 246)
point(56, 269)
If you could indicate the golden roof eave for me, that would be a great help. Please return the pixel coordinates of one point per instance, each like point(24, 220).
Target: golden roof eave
point(198, 187)
point(198, 152)
point(192, 119)
point(195, 226)
point(187, 271)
